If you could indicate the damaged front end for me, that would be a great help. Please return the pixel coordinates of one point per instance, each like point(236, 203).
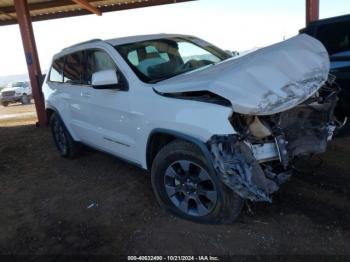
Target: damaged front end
point(256, 160)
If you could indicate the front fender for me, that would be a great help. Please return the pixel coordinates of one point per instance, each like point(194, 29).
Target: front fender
point(185, 119)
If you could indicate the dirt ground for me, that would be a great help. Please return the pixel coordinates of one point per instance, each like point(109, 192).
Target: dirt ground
point(99, 205)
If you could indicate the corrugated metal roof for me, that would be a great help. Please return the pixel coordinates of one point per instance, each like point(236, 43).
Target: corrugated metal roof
point(51, 9)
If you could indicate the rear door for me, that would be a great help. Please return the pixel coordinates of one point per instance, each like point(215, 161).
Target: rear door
point(71, 91)
point(57, 94)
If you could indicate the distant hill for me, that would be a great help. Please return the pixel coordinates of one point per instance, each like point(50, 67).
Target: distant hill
point(4, 80)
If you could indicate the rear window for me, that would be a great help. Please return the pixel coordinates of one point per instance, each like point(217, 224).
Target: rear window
point(77, 68)
point(56, 72)
point(73, 68)
point(335, 37)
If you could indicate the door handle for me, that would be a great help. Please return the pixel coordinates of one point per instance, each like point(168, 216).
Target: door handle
point(85, 94)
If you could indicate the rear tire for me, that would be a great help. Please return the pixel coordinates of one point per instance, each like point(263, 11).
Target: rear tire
point(184, 186)
point(64, 142)
point(5, 103)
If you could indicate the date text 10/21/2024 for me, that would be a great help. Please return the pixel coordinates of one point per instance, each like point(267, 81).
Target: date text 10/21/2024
point(173, 258)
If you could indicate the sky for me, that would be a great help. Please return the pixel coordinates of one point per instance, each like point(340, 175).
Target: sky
point(235, 25)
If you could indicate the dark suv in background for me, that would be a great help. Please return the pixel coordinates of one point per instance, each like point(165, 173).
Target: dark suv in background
point(334, 33)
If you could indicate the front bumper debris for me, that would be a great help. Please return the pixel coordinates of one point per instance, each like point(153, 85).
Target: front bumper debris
point(238, 168)
point(254, 167)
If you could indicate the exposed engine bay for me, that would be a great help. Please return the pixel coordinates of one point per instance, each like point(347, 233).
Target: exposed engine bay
point(256, 160)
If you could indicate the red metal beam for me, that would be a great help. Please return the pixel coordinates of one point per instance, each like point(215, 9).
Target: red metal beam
point(31, 54)
point(312, 10)
point(86, 5)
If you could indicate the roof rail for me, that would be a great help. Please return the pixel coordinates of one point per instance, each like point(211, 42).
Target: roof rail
point(81, 43)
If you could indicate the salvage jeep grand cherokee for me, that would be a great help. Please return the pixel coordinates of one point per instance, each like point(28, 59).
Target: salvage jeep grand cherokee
point(213, 130)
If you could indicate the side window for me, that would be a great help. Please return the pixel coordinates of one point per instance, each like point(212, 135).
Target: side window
point(189, 51)
point(73, 68)
point(56, 72)
point(97, 61)
point(335, 37)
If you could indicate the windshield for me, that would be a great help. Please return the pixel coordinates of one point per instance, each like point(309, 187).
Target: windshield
point(160, 59)
point(17, 84)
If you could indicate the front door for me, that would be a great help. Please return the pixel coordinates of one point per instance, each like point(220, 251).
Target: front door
point(107, 113)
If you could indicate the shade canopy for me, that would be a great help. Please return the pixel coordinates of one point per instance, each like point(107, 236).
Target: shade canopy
point(51, 9)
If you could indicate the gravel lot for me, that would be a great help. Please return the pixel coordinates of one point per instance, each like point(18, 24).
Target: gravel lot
point(99, 205)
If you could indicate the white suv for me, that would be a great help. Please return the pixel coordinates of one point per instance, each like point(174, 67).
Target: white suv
point(213, 130)
point(20, 91)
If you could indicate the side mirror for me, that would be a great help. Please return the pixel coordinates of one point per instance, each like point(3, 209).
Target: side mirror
point(106, 79)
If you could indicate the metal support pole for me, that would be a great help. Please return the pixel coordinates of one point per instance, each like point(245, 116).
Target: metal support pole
point(32, 59)
point(312, 10)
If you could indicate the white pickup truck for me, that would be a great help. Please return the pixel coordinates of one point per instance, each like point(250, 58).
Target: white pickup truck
point(20, 91)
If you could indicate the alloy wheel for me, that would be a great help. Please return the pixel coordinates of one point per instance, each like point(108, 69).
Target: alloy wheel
point(190, 188)
point(60, 137)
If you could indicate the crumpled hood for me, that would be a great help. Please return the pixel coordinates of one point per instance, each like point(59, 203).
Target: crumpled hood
point(268, 81)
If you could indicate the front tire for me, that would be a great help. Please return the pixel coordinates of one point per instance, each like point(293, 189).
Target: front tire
point(5, 104)
point(25, 100)
point(64, 142)
point(184, 186)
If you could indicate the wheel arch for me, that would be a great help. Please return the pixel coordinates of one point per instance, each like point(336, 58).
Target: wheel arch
point(159, 138)
point(50, 110)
